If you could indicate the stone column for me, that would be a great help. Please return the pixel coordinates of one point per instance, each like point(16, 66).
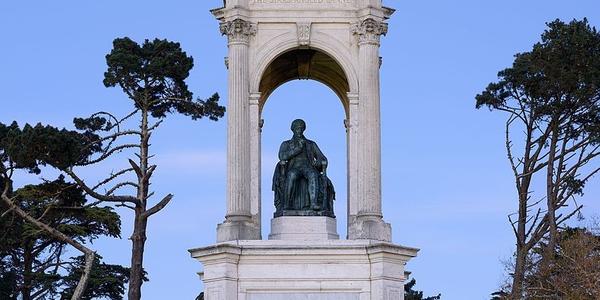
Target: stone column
point(369, 223)
point(238, 223)
point(353, 145)
point(255, 162)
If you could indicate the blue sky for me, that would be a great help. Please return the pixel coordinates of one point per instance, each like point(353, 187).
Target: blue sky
point(447, 186)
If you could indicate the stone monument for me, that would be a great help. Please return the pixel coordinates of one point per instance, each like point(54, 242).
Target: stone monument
point(335, 42)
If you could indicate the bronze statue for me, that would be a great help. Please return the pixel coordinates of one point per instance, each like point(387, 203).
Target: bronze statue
point(300, 181)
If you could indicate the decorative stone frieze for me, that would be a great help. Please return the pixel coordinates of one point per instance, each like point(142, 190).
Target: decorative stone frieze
point(369, 31)
point(302, 4)
point(238, 31)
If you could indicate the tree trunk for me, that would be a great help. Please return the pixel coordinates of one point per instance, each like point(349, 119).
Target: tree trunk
point(522, 185)
point(27, 270)
point(519, 273)
point(138, 240)
point(522, 250)
point(85, 276)
point(550, 194)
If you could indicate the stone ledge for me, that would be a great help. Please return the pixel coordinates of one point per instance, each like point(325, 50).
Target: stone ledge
point(348, 247)
point(255, 269)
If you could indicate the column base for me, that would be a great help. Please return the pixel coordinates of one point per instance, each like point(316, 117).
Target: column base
point(237, 230)
point(369, 228)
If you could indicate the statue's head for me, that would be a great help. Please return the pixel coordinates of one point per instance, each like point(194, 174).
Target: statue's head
point(298, 126)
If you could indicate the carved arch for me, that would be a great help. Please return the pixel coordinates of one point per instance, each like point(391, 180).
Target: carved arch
point(333, 67)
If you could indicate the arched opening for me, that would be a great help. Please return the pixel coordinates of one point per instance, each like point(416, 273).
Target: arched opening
point(305, 64)
point(307, 100)
point(316, 104)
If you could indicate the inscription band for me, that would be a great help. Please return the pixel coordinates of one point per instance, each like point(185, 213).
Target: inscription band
point(301, 1)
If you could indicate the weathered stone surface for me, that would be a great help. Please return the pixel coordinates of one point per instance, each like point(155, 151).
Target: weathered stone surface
point(238, 230)
point(370, 229)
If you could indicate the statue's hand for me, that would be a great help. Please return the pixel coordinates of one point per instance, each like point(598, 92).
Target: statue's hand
point(316, 165)
point(320, 165)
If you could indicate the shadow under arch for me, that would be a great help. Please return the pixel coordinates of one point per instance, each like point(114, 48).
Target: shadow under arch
point(304, 64)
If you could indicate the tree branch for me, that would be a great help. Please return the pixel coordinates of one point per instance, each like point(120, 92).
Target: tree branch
point(107, 154)
point(120, 185)
point(111, 178)
point(159, 206)
point(98, 196)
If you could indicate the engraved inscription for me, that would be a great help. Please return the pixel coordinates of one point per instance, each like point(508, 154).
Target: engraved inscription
point(301, 1)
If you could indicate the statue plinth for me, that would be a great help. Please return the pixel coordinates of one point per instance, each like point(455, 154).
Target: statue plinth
point(303, 213)
point(303, 228)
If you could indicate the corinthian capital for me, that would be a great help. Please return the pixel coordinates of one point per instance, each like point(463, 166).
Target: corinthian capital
point(369, 31)
point(238, 30)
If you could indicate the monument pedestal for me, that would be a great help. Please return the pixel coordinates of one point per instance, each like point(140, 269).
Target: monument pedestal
point(299, 270)
point(303, 228)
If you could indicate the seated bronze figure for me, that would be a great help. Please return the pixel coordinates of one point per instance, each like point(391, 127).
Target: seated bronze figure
point(300, 181)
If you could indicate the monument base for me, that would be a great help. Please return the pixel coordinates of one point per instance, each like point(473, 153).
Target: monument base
point(295, 270)
point(303, 228)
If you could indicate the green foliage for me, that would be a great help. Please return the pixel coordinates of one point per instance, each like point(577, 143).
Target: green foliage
point(106, 281)
point(500, 295)
point(153, 76)
point(560, 78)
point(410, 294)
point(62, 205)
point(552, 97)
point(34, 146)
point(31, 258)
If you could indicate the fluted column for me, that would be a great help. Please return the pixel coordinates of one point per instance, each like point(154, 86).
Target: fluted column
point(238, 224)
point(255, 164)
point(353, 145)
point(369, 223)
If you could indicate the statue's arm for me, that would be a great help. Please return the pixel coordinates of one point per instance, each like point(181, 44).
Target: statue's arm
point(288, 150)
point(321, 159)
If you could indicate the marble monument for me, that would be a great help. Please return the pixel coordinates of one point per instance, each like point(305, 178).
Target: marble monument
point(335, 42)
